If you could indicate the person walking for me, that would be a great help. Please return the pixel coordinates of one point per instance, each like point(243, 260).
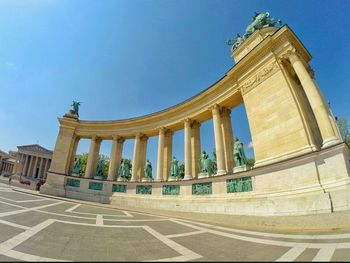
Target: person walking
point(10, 178)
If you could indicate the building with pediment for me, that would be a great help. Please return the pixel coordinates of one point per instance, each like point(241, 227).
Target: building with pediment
point(7, 163)
point(32, 161)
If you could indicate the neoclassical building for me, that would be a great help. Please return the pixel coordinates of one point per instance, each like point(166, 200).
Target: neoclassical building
point(301, 162)
point(7, 163)
point(32, 161)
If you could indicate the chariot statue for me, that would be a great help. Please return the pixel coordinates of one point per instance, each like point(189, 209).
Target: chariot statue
point(75, 107)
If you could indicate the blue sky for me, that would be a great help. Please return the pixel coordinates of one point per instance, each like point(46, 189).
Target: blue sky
point(129, 58)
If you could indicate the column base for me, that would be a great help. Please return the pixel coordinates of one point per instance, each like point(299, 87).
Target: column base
point(157, 180)
point(203, 175)
point(187, 177)
point(329, 142)
point(241, 168)
point(120, 179)
point(172, 179)
point(147, 180)
point(220, 172)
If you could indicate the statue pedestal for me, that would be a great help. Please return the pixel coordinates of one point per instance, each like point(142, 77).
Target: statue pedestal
point(121, 179)
point(76, 175)
point(71, 114)
point(98, 177)
point(172, 179)
point(241, 168)
point(203, 175)
point(145, 179)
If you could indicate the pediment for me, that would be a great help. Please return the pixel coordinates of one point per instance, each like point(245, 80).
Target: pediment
point(34, 148)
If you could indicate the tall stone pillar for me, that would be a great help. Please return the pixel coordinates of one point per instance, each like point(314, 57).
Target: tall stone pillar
point(46, 167)
point(76, 140)
point(160, 159)
point(30, 167)
point(322, 115)
point(187, 146)
point(24, 171)
point(219, 146)
point(136, 158)
point(227, 136)
point(195, 148)
point(168, 152)
point(144, 140)
point(115, 157)
point(35, 166)
point(40, 167)
point(92, 157)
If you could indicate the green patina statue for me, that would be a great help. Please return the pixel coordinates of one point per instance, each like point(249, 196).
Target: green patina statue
point(78, 165)
point(174, 169)
point(238, 153)
point(206, 165)
point(100, 168)
point(148, 169)
point(75, 107)
point(124, 170)
point(258, 21)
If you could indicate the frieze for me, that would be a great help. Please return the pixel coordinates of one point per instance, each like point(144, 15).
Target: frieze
point(259, 77)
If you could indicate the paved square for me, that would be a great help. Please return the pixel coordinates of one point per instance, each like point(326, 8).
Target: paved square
point(35, 228)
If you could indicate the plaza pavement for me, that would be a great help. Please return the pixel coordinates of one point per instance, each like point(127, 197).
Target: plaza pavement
point(35, 227)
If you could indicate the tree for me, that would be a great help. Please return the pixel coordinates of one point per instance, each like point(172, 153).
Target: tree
point(182, 171)
point(344, 130)
point(250, 162)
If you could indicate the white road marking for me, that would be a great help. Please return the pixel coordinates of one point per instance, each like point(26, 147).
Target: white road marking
point(127, 214)
point(186, 253)
point(325, 253)
point(72, 208)
point(292, 254)
point(14, 225)
point(99, 220)
point(186, 234)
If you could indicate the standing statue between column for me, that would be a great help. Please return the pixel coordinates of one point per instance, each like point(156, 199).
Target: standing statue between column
point(148, 171)
point(206, 165)
point(77, 167)
point(239, 156)
point(124, 171)
point(100, 169)
point(174, 170)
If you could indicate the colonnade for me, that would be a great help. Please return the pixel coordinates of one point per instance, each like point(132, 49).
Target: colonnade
point(32, 166)
point(6, 167)
point(192, 149)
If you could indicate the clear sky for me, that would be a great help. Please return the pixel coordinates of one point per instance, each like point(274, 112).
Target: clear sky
point(128, 58)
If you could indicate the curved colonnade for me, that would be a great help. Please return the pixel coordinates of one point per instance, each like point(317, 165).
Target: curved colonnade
point(287, 115)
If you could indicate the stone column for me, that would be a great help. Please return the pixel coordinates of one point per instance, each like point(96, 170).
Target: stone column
point(29, 172)
point(219, 146)
point(73, 153)
point(141, 173)
point(92, 157)
point(195, 148)
point(46, 167)
point(115, 158)
point(319, 108)
point(187, 146)
point(16, 163)
point(168, 151)
point(136, 158)
point(20, 165)
point(227, 135)
point(40, 167)
point(35, 166)
point(24, 171)
point(160, 160)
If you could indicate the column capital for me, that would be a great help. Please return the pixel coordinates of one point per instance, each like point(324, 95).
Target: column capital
point(225, 111)
point(95, 138)
point(196, 124)
point(162, 129)
point(138, 135)
point(215, 107)
point(169, 132)
point(144, 137)
point(187, 120)
point(120, 139)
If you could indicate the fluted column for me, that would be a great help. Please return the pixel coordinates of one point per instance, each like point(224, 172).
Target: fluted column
point(219, 146)
point(195, 148)
point(115, 158)
point(160, 160)
point(30, 166)
point(227, 135)
point(24, 171)
point(141, 172)
point(92, 157)
point(136, 158)
point(187, 146)
point(73, 153)
point(323, 118)
point(168, 152)
point(40, 167)
point(35, 166)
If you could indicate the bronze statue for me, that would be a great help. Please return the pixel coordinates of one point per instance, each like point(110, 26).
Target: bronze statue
point(148, 169)
point(238, 153)
point(174, 168)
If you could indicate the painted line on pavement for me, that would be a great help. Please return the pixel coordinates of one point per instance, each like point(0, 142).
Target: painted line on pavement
point(325, 254)
point(99, 220)
point(292, 253)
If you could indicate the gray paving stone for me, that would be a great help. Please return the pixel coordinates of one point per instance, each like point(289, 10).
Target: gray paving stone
point(7, 232)
point(341, 254)
point(307, 255)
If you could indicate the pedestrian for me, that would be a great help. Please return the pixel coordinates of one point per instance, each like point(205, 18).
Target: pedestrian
point(10, 178)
